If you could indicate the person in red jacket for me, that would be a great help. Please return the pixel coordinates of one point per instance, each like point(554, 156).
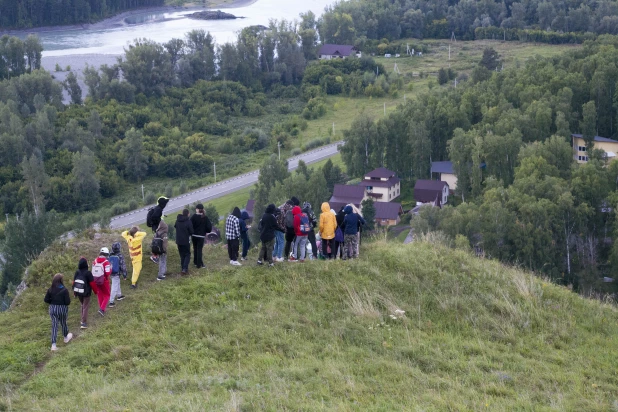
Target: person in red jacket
point(301, 229)
point(101, 271)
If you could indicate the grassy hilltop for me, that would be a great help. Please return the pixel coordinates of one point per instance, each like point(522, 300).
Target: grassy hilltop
point(316, 336)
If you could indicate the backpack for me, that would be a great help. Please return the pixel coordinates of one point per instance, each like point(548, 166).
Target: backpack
point(156, 247)
point(98, 270)
point(289, 219)
point(80, 285)
point(260, 226)
point(305, 227)
point(149, 221)
point(114, 260)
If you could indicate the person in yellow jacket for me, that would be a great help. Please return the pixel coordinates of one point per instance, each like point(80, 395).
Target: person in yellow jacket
point(134, 239)
point(328, 225)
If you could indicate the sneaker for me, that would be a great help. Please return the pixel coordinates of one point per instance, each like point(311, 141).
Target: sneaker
point(111, 305)
point(183, 272)
point(292, 259)
point(54, 348)
point(279, 259)
point(259, 262)
point(243, 259)
point(101, 312)
point(154, 259)
point(119, 298)
point(124, 277)
point(271, 265)
point(134, 286)
point(68, 338)
point(236, 263)
point(83, 325)
point(302, 261)
point(231, 262)
point(160, 277)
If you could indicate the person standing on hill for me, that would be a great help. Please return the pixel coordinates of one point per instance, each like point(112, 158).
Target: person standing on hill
point(201, 227)
point(268, 228)
point(313, 223)
point(184, 231)
point(350, 230)
point(134, 239)
point(153, 218)
point(83, 287)
point(244, 234)
point(301, 229)
point(280, 236)
point(102, 271)
point(232, 234)
point(118, 267)
point(339, 242)
point(161, 233)
point(328, 225)
point(290, 234)
point(58, 298)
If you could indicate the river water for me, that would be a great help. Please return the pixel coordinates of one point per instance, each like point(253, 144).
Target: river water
point(112, 38)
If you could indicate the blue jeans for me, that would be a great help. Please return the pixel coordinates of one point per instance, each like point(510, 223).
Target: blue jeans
point(279, 244)
point(246, 244)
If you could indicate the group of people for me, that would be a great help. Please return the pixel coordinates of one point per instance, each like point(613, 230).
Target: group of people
point(284, 234)
point(286, 230)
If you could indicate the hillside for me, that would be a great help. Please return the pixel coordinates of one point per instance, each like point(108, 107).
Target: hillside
point(475, 336)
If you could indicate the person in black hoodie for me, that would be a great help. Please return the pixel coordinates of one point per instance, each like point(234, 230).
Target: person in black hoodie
point(339, 244)
point(184, 230)
point(154, 218)
point(83, 286)
point(201, 227)
point(58, 298)
point(290, 234)
point(268, 227)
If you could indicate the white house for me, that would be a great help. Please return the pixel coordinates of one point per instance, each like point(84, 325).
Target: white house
point(337, 51)
point(382, 185)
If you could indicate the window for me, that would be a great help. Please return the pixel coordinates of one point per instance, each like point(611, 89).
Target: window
point(581, 148)
point(583, 158)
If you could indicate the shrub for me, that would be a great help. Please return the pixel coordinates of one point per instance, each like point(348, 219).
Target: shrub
point(182, 188)
point(150, 198)
point(296, 152)
point(133, 204)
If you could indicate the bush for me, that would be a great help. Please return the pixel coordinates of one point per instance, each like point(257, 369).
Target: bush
point(118, 209)
point(169, 191)
point(312, 144)
point(316, 107)
point(296, 152)
point(182, 188)
point(133, 204)
point(150, 198)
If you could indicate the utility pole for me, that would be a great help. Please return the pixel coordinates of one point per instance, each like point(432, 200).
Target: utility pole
point(279, 147)
point(143, 198)
point(449, 52)
point(214, 166)
point(333, 128)
point(384, 109)
point(7, 217)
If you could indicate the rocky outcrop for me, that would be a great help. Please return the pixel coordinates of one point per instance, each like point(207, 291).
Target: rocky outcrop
point(212, 15)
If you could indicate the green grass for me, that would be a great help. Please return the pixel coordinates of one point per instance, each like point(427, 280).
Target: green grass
point(475, 336)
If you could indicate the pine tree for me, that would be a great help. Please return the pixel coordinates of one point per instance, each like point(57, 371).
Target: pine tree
point(36, 180)
point(135, 160)
point(369, 214)
point(85, 180)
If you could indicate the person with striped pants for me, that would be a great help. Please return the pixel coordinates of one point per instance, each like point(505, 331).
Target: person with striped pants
point(58, 298)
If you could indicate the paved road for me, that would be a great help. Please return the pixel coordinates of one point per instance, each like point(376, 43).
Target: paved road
point(208, 193)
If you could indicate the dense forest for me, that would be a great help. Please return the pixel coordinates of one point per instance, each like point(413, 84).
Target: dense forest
point(36, 13)
point(523, 198)
point(367, 22)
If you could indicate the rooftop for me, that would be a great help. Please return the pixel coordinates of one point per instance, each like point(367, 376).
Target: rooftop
point(436, 185)
point(596, 138)
point(379, 183)
point(387, 210)
point(442, 167)
point(333, 49)
point(380, 173)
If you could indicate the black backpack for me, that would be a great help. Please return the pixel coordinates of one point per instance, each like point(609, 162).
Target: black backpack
point(289, 219)
point(156, 247)
point(80, 284)
point(149, 217)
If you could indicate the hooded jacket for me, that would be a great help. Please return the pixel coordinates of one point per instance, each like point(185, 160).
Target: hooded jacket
point(107, 270)
point(157, 212)
point(340, 216)
point(135, 244)
point(244, 215)
point(58, 296)
point(284, 208)
point(269, 224)
point(161, 233)
point(122, 266)
point(328, 222)
point(297, 213)
point(184, 230)
point(82, 267)
point(351, 221)
point(201, 225)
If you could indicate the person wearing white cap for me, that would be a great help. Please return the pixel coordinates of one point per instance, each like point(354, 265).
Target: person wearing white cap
point(101, 271)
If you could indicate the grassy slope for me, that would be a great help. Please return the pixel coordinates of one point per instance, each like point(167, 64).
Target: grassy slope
point(475, 336)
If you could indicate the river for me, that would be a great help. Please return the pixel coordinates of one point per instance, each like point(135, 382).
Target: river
point(112, 36)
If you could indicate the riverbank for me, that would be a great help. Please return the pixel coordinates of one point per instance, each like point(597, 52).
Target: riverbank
point(118, 20)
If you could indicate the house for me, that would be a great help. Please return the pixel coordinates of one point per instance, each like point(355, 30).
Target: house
point(337, 51)
point(388, 213)
point(344, 194)
point(250, 207)
point(431, 191)
point(382, 185)
point(444, 171)
point(580, 151)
